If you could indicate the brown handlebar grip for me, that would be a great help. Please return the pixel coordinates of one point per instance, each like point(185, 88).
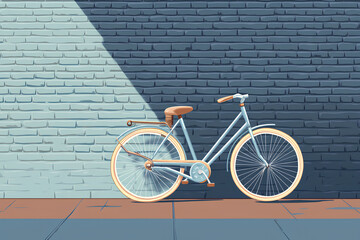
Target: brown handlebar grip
point(224, 99)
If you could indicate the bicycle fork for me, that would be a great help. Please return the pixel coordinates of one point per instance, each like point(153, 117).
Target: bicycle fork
point(257, 148)
point(243, 110)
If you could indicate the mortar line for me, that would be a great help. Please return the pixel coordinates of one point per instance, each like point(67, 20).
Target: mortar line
point(61, 223)
point(282, 230)
point(288, 211)
point(351, 206)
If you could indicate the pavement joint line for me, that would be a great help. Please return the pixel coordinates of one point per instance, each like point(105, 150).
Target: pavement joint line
point(351, 206)
point(62, 222)
point(288, 211)
point(103, 206)
point(8, 206)
point(282, 230)
point(173, 220)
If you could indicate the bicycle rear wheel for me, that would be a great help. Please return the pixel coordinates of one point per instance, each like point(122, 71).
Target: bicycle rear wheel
point(277, 180)
point(128, 170)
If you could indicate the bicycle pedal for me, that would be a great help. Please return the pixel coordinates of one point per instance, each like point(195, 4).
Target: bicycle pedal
point(185, 182)
point(211, 184)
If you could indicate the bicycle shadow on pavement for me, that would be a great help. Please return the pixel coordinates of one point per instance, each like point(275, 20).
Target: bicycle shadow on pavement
point(184, 200)
point(298, 201)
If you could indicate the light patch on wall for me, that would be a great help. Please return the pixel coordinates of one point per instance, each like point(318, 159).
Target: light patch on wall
point(63, 100)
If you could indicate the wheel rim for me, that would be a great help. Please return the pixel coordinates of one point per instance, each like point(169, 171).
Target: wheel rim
point(134, 179)
point(282, 175)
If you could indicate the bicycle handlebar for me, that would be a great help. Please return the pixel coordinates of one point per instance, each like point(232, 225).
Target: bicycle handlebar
point(238, 95)
point(224, 99)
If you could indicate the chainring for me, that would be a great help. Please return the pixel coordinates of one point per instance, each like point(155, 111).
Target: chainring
point(196, 172)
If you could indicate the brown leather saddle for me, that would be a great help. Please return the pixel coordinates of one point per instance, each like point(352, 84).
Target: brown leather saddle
point(178, 111)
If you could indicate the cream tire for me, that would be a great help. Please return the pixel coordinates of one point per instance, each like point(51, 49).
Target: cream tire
point(114, 160)
point(245, 139)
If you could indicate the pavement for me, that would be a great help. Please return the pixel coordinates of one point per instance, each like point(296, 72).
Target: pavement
point(179, 219)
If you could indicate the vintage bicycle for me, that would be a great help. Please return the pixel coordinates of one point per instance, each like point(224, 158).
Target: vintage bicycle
point(149, 163)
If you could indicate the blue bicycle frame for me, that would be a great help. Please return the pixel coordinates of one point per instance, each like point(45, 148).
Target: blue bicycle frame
point(245, 127)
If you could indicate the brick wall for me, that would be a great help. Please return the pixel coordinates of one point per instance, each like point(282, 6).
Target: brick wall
point(72, 73)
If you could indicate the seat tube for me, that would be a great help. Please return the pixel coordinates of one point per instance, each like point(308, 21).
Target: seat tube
point(188, 140)
point(165, 139)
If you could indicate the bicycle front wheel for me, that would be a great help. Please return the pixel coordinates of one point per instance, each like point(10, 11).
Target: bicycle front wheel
point(285, 165)
point(128, 170)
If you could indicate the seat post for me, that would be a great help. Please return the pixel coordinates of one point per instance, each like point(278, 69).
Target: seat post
point(175, 111)
point(169, 119)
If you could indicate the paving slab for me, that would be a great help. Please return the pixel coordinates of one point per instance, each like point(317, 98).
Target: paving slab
point(320, 229)
point(320, 209)
point(183, 209)
point(188, 229)
point(95, 229)
point(122, 209)
point(39, 208)
point(29, 229)
point(228, 209)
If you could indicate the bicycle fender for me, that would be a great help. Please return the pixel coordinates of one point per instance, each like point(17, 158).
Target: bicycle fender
point(166, 129)
point(140, 127)
point(238, 139)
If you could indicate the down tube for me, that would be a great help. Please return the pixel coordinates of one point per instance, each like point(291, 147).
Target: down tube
point(240, 131)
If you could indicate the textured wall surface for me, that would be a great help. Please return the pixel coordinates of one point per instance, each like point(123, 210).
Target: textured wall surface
point(72, 73)
point(64, 99)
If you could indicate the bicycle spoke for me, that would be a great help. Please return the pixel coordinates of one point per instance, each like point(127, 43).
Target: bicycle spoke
point(160, 169)
point(164, 176)
point(282, 149)
point(250, 157)
point(267, 185)
point(156, 190)
point(282, 170)
point(254, 154)
point(141, 184)
point(279, 179)
point(251, 179)
point(274, 181)
point(160, 180)
point(281, 173)
point(249, 172)
point(277, 139)
point(131, 172)
point(283, 157)
point(259, 176)
point(135, 174)
point(262, 175)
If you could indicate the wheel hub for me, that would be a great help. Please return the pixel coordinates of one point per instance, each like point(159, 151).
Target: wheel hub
point(148, 165)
